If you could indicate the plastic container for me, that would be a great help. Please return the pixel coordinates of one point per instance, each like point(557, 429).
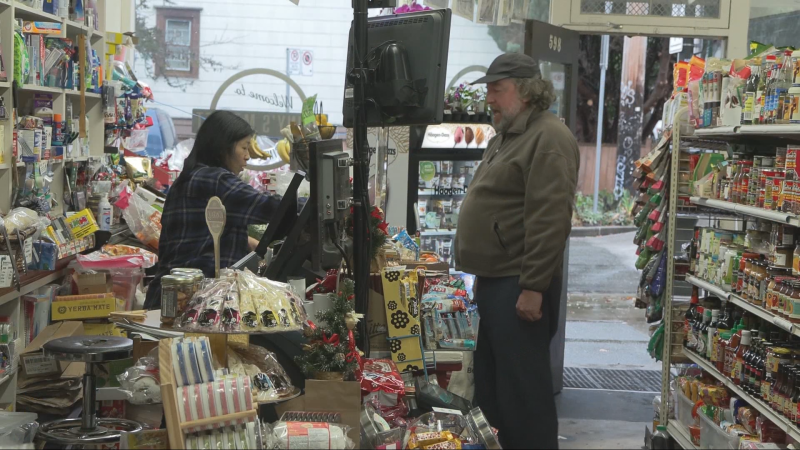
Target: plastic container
point(683, 409)
point(17, 428)
point(105, 213)
point(714, 437)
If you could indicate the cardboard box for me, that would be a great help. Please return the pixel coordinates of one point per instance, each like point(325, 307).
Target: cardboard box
point(41, 27)
point(102, 329)
point(82, 224)
point(92, 283)
point(77, 307)
point(35, 364)
point(377, 327)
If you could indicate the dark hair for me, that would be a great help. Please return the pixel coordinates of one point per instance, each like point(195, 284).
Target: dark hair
point(215, 142)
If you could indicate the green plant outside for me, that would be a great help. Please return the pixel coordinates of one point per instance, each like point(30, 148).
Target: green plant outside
point(609, 211)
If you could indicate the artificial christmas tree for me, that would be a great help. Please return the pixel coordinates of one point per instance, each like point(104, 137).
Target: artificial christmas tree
point(331, 353)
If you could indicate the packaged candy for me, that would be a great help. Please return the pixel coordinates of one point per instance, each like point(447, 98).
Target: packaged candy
point(421, 440)
point(450, 444)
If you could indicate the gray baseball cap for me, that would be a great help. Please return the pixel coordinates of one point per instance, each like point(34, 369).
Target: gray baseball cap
point(511, 65)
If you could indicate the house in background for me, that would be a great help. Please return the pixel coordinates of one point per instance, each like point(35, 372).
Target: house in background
point(207, 42)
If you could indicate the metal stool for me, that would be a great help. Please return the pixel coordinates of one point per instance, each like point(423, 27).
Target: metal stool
point(91, 350)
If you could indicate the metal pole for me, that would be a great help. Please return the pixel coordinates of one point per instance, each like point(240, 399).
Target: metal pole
point(286, 99)
point(601, 104)
point(361, 244)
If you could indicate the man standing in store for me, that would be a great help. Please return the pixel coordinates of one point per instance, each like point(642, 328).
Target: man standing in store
point(512, 232)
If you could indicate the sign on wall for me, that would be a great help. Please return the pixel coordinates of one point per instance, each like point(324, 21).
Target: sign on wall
point(264, 123)
point(299, 61)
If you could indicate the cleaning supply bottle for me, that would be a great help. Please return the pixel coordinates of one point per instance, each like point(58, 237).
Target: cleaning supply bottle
point(105, 212)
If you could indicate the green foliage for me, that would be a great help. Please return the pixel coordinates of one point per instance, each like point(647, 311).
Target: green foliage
point(609, 210)
point(321, 356)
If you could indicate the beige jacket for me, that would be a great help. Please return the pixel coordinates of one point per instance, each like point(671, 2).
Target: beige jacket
point(517, 214)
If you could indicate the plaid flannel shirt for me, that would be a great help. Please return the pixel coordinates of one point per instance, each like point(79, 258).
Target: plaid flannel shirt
point(185, 240)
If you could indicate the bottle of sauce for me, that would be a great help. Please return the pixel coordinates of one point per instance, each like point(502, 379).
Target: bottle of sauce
point(775, 397)
point(748, 111)
point(795, 397)
point(748, 369)
point(702, 334)
point(787, 402)
point(769, 378)
point(747, 273)
point(787, 301)
point(738, 367)
point(760, 371)
point(730, 351)
point(712, 335)
point(784, 289)
point(759, 277)
point(793, 306)
point(721, 350)
point(688, 318)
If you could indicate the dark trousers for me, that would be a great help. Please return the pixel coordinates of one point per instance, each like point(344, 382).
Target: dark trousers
point(513, 381)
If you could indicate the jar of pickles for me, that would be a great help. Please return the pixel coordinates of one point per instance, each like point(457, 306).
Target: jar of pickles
point(176, 291)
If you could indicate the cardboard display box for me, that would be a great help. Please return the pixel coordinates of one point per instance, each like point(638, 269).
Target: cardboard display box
point(77, 307)
point(92, 283)
point(35, 364)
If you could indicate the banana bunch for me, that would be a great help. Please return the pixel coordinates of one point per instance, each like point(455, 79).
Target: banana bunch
point(255, 150)
point(322, 120)
point(284, 149)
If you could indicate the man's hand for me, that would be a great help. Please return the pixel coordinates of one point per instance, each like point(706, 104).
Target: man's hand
point(529, 306)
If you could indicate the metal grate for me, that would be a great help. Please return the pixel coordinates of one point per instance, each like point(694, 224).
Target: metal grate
point(707, 9)
point(613, 380)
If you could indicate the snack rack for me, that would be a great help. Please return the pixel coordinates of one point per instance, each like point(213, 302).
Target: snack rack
point(176, 430)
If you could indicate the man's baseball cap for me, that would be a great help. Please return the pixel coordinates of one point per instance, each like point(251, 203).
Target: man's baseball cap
point(511, 65)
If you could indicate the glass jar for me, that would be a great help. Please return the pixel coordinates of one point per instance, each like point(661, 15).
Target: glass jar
point(793, 308)
point(787, 300)
point(759, 274)
point(772, 292)
point(784, 288)
point(748, 272)
point(796, 261)
point(735, 271)
point(176, 291)
point(195, 274)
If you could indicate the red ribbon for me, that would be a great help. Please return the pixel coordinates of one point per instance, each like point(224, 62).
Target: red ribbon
point(353, 355)
point(333, 340)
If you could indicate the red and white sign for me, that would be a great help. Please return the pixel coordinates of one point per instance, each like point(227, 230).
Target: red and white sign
point(308, 63)
point(299, 61)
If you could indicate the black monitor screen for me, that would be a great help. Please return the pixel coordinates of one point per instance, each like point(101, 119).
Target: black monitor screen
point(425, 37)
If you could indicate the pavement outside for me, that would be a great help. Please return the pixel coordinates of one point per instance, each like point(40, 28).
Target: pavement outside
point(604, 331)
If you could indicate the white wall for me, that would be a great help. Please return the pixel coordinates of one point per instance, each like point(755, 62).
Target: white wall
point(255, 34)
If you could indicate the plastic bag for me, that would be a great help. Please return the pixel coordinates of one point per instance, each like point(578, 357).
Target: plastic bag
point(284, 435)
point(117, 257)
point(381, 380)
point(17, 428)
point(141, 383)
point(270, 381)
point(268, 305)
point(143, 220)
point(204, 310)
point(24, 218)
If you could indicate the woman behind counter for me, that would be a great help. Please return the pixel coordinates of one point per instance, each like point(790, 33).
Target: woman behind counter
point(220, 153)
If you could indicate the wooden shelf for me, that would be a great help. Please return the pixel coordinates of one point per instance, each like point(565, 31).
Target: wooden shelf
point(34, 280)
point(27, 13)
point(765, 410)
point(45, 89)
point(78, 93)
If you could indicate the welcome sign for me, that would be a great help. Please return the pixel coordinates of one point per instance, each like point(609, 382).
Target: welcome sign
point(264, 123)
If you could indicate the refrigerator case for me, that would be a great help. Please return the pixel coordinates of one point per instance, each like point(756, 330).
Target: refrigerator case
point(443, 160)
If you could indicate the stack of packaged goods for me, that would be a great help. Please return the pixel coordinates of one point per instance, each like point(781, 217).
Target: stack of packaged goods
point(650, 216)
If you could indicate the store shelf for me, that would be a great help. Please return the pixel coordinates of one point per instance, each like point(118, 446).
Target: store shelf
point(7, 375)
point(758, 404)
point(26, 12)
point(709, 287)
point(751, 211)
point(78, 93)
point(45, 89)
point(782, 132)
point(779, 322)
point(440, 232)
point(680, 434)
point(5, 84)
point(31, 283)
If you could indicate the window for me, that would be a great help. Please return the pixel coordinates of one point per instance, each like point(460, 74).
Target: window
point(178, 40)
point(181, 27)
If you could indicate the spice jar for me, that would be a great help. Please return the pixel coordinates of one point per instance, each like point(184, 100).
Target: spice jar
point(176, 291)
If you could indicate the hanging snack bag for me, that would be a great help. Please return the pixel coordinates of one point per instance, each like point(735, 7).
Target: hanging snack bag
point(308, 119)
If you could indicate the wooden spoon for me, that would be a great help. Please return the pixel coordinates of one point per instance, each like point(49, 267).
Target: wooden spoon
point(215, 219)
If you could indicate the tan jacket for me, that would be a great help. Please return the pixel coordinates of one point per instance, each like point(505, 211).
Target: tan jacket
point(517, 214)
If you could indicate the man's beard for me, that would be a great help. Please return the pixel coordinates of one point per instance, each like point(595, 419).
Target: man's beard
point(507, 118)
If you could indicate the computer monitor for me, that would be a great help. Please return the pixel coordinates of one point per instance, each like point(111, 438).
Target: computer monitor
point(413, 46)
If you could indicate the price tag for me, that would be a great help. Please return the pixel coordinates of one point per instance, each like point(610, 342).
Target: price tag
point(447, 411)
point(783, 324)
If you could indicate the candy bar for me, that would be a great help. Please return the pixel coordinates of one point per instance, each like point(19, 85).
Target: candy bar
point(424, 439)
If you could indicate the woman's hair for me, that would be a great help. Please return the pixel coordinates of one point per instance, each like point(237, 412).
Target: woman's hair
point(215, 142)
point(538, 92)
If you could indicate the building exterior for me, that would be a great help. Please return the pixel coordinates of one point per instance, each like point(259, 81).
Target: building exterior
point(309, 41)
